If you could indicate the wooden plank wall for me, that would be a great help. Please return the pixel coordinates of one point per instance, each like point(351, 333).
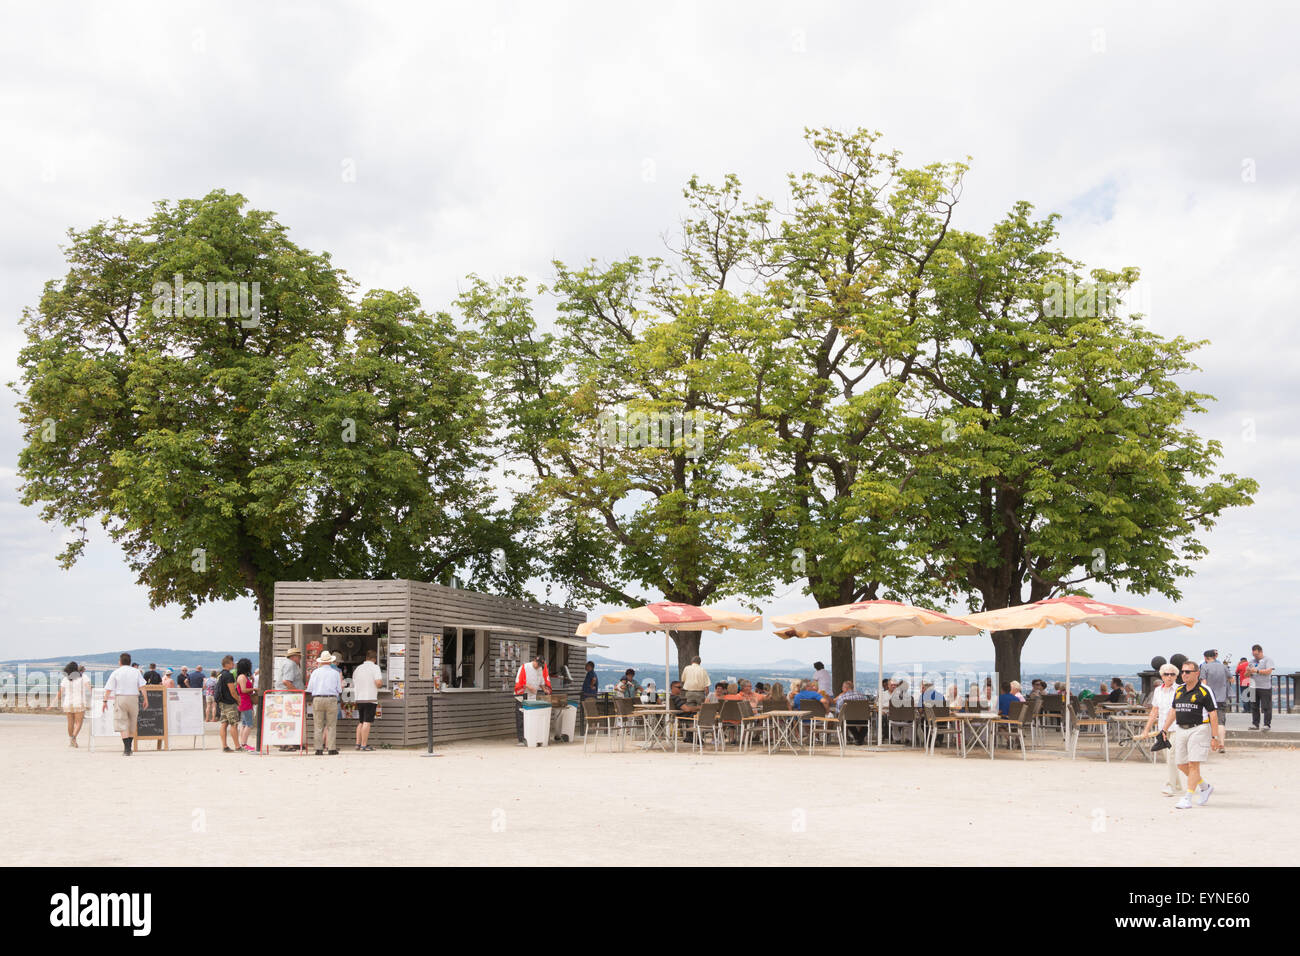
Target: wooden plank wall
point(489, 713)
point(413, 608)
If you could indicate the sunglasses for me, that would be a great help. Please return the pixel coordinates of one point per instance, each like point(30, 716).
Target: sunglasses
point(1190, 670)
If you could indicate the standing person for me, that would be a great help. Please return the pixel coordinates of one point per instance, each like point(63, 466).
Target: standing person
point(822, 676)
point(1198, 733)
point(590, 683)
point(1244, 695)
point(73, 693)
point(695, 681)
point(227, 706)
point(167, 679)
point(325, 687)
point(124, 689)
point(529, 681)
point(291, 679)
point(1261, 681)
point(183, 678)
point(366, 681)
point(1214, 675)
point(244, 687)
point(1162, 701)
point(152, 676)
point(210, 696)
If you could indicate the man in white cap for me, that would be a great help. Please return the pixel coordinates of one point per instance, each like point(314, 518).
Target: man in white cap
point(325, 687)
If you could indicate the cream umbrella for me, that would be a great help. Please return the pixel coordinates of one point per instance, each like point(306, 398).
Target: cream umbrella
point(1073, 610)
point(876, 620)
point(670, 616)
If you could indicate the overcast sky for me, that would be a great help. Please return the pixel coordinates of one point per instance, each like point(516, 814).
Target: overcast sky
point(418, 143)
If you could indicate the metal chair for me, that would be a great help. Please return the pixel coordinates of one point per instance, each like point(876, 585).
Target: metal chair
point(594, 720)
point(1090, 728)
point(858, 713)
point(903, 717)
point(940, 722)
point(1019, 714)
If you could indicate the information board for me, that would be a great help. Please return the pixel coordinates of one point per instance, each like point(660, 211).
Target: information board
point(284, 719)
point(184, 712)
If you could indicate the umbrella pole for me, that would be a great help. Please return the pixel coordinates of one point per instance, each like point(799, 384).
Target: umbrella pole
point(880, 689)
point(1066, 706)
point(667, 685)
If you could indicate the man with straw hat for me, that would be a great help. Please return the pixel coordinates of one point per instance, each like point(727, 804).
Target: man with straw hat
point(325, 687)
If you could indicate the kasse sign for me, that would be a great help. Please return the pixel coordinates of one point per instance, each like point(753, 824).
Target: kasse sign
point(343, 630)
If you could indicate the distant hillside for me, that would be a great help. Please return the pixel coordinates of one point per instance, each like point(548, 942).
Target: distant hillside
point(162, 656)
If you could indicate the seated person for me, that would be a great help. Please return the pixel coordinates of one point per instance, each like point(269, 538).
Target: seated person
point(719, 692)
point(803, 690)
point(776, 699)
point(627, 686)
point(1116, 693)
point(929, 696)
point(1131, 694)
point(677, 700)
point(1015, 689)
point(1006, 699)
point(1038, 687)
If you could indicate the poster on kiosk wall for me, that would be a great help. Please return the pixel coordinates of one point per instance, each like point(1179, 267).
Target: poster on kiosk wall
point(284, 719)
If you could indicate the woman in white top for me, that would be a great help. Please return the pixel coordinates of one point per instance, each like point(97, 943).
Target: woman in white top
point(1162, 699)
point(73, 690)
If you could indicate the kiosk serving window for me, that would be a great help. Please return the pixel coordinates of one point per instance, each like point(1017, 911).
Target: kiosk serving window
point(347, 641)
point(464, 662)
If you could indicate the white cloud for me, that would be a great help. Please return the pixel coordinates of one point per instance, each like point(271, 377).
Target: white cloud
point(493, 138)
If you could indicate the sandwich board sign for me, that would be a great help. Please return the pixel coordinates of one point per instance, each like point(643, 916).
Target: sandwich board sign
point(185, 713)
point(284, 719)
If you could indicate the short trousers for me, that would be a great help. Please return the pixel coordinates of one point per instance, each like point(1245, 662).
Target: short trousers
point(246, 718)
point(366, 711)
point(1192, 744)
point(230, 714)
point(696, 696)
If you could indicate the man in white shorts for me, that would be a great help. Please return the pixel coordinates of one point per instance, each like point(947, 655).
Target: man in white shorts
point(1196, 711)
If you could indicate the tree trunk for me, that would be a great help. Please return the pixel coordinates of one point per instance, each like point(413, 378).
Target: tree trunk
point(841, 662)
point(1006, 653)
point(688, 645)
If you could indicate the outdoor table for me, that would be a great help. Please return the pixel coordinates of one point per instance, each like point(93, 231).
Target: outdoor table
point(977, 730)
point(657, 724)
point(1129, 727)
point(784, 724)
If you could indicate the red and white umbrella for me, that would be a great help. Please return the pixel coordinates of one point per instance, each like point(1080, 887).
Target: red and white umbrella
point(670, 616)
point(876, 620)
point(1074, 610)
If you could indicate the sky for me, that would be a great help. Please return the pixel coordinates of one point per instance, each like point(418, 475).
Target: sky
point(420, 143)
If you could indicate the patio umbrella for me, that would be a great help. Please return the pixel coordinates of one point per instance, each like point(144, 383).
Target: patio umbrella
point(873, 619)
point(670, 616)
point(1070, 611)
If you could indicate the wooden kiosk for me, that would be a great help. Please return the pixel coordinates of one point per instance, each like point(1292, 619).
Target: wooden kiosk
point(459, 647)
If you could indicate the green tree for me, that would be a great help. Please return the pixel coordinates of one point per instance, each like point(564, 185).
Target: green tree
point(1060, 454)
point(617, 419)
point(228, 443)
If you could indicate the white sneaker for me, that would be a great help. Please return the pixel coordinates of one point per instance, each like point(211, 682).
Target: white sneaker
point(1203, 793)
point(1168, 791)
point(1185, 803)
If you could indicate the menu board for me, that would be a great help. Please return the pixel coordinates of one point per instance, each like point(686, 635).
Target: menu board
point(284, 718)
point(396, 662)
point(152, 721)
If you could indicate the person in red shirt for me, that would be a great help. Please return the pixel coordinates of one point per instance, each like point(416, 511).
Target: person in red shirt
point(530, 680)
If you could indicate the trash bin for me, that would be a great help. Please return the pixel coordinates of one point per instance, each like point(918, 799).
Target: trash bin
point(564, 722)
point(537, 723)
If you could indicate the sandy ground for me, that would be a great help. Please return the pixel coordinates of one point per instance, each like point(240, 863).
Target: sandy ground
point(489, 802)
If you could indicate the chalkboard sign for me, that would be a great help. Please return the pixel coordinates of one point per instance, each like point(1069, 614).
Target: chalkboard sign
point(152, 722)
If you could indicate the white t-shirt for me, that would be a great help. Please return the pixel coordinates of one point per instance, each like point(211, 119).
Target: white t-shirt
point(823, 677)
point(363, 682)
point(125, 681)
point(1162, 699)
point(74, 693)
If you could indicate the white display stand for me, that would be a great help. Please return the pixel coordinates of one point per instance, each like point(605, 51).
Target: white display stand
point(185, 715)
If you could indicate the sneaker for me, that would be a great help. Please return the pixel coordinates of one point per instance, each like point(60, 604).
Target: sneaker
point(1203, 794)
point(1168, 791)
point(334, 753)
point(1267, 728)
point(319, 752)
point(248, 749)
point(521, 743)
point(1254, 726)
point(227, 750)
point(1185, 803)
